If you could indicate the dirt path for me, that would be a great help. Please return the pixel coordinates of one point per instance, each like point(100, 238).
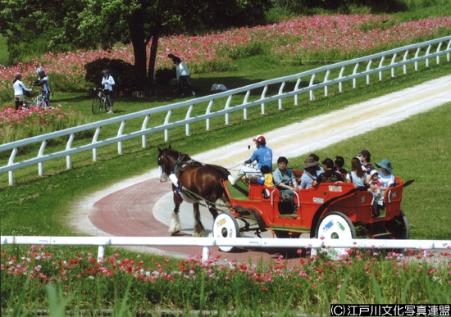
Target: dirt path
point(138, 206)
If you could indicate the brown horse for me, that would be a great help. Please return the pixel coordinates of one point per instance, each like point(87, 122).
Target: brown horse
point(193, 182)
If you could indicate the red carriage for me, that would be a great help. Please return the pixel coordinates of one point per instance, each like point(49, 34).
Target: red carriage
point(330, 210)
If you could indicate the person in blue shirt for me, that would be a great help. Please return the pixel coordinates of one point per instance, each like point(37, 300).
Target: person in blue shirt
point(262, 156)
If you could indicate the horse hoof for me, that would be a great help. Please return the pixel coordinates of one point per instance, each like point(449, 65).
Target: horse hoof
point(173, 233)
point(199, 234)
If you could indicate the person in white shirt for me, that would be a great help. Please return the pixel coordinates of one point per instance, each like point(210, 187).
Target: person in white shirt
point(183, 74)
point(107, 85)
point(19, 90)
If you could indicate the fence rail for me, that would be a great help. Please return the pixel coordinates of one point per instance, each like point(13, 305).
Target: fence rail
point(346, 71)
point(208, 242)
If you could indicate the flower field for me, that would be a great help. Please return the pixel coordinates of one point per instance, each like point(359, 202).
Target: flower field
point(311, 285)
point(301, 39)
point(23, 123)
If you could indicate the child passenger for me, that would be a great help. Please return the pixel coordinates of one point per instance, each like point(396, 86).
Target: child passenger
point(267, 181)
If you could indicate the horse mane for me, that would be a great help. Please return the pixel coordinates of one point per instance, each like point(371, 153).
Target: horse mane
point(183, 157)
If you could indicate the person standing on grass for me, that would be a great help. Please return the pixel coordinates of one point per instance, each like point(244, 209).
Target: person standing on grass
point(43, 81)
point(19, 90)
point(107, 85)
point(183, 74)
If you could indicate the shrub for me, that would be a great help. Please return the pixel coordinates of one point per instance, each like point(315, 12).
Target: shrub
point(164, 76)
point(123, 73)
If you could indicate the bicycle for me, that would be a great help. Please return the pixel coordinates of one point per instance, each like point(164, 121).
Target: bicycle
point(41, 101)
point(100, 101)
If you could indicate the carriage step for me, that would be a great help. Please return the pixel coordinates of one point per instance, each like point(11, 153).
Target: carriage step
point(288, 215)
point(382, 234)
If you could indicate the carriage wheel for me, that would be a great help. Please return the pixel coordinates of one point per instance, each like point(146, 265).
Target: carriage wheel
point(399, 227)
point(225, 226)
point(336, 225)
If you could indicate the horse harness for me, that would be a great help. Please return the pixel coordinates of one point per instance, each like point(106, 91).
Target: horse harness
point(183, 162)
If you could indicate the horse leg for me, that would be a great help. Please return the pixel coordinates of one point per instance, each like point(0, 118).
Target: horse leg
point(213, 210)
point(198, 227)
point(174, 227)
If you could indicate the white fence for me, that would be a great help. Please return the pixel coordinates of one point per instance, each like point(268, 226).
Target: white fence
point(207, 242)
point(346, 71)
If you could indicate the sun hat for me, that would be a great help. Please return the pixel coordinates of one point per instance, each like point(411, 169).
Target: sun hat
point(310, 162)
point(386, 164)
point(373, 172)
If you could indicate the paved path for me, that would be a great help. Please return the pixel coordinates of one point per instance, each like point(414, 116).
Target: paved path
point(141, 206)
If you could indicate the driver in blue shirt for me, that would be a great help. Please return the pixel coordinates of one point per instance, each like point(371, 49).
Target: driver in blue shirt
point(262, 156)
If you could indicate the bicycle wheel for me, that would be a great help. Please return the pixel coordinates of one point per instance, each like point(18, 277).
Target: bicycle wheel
point(40, 102)
point(105, 104)
point(96, 105)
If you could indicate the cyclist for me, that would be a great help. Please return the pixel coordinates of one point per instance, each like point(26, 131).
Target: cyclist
point(107, 85)
point(43, 81)
point(19, 90)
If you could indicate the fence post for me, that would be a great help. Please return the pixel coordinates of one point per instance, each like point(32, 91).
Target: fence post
point(40, 154)
point(119, 133)
point(263, 96)
point(11, 162)
point(94, 140)
point(279, 101)
point(227, 106)
point(296, 87)
point(68, 147)
point(354, 71)
point(381, 63)
point(404, 59)
point(188, 115)
point(326, 78)
point(144, 127)
point(437, 51)
point(166, 121)
point(428, 50)
point(368, 68)
point(416, 56)
point(312, 79)
point(340, 75)
point(246, 97)
point(391, 64)
point(207, 112)
point(100, 253)
point(448, 49)
point(205, 254)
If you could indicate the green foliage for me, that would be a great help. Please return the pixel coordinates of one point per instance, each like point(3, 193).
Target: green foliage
point(3, 51)
point(343, 6)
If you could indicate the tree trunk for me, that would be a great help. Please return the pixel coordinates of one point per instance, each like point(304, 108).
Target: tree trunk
point(136, 26)
point(152, 58)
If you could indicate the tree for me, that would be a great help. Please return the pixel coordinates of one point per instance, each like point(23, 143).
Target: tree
point(107, 22)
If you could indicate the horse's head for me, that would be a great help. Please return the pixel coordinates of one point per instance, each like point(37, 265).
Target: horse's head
point(167, 159)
